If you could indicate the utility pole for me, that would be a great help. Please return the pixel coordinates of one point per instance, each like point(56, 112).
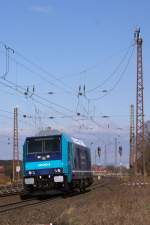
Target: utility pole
point(116, 152)
point(140, 143)
point(132, 157)
point(16, 162)
point(7, 49)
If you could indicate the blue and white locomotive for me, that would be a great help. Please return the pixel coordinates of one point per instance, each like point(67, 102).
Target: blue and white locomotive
point(56, 162)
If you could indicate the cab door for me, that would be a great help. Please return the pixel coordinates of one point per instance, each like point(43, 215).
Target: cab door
point(70, 161)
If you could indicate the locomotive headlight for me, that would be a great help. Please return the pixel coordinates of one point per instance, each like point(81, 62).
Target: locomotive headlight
point(57, 170)
point(29, 172)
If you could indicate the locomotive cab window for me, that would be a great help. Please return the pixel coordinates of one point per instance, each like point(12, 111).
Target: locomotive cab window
point(83, 159)
point(34, 146)
point(52, 145)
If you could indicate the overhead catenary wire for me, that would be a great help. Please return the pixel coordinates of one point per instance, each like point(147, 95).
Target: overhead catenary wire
point(114, 86)
point(112, 73)
point(44, 71)
point(11, 118)
point(45, 102)
point(37, 101)
point(118, 81)
point(21, 90)
point(89, 68)
point(13, 94)
point(7, 92)
point(41, 69)
point(48, 104)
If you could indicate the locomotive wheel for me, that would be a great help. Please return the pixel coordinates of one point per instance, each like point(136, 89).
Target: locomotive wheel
point(82, 186)
point(67, 187)
point(24, 196)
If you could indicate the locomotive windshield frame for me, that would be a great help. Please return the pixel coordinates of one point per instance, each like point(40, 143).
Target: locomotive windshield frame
point(42, 145)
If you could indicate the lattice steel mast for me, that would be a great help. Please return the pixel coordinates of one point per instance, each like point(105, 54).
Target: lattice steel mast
point(16, 162)
point(140, 145)
point(132, 158)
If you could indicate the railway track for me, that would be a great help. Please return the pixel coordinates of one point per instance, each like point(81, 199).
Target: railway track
point(6, 194)
point(26, 203)
point(16, 189)
point(33, 202)
point(7, 190)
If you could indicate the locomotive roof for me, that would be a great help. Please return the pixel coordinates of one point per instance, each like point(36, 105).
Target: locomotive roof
point(78, 141)
point(74, 140)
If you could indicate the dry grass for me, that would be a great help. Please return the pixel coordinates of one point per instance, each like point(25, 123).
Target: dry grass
point(114, 205)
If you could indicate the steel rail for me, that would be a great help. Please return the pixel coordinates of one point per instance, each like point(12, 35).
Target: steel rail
point(15, 190)
point(25, 203)
point(10, 190)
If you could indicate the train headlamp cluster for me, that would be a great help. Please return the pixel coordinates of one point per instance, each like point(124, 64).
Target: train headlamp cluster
point(31, 172)
point(43, 157)
point(57, 170)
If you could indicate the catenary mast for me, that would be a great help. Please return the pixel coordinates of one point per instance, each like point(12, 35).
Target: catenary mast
point(16, 162)
point(140, 143)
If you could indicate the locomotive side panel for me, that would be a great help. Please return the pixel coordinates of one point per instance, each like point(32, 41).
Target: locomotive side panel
point(82, 175)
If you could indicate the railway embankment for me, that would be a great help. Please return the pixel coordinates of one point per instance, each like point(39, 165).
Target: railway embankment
point(111, 202)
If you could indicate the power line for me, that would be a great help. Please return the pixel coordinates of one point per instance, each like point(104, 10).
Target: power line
point(22, 93)
point(118, 81)
point(35, 65)
point(19, 96)
point(22, 90)
point(89, 68)
point(112, 74)
point(37, 101)
point(20, 120)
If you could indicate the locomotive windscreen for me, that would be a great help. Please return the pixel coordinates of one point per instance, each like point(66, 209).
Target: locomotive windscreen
point(34, 146)
point(52, 145)
point(43, 145)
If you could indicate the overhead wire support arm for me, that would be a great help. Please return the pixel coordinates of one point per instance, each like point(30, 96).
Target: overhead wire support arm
point(7, 49)
point(38, 70)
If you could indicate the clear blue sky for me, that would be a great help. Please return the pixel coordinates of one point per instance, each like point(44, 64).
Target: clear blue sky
point(81, 42)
